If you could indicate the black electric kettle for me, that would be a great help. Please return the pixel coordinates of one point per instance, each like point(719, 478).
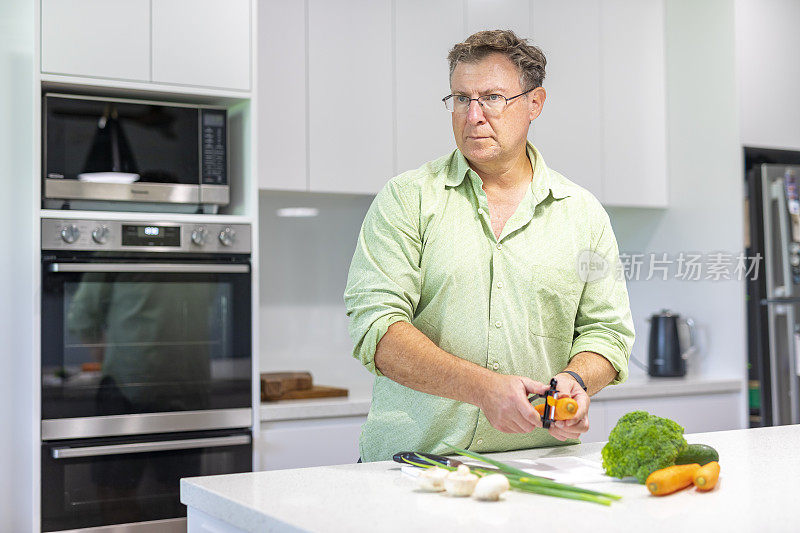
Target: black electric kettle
point(671, 343)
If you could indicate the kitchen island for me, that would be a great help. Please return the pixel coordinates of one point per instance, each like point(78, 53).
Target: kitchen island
point(757, 491)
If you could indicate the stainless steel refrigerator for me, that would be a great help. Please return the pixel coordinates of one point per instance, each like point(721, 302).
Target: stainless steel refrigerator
point(773, 291)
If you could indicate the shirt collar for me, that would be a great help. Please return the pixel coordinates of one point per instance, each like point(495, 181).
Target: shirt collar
point(541, 185)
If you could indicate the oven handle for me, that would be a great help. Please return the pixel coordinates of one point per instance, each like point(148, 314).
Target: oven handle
point(143, 447)
point(150, 267)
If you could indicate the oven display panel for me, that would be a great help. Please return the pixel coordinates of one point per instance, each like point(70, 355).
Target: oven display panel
point(142, 235)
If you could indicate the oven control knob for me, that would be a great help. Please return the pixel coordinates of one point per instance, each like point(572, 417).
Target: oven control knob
point(227, 236)
point(100, 234)
point(199, 235)
point(70, 233)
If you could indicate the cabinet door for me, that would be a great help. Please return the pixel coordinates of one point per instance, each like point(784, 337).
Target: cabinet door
point(499, 15)
point(282, 95)
point(202, 42)
point(96, 38)
point(424, 127)
point(569, 131)
point(598, 430)
point(696, 413)
point(634, 102)
point(769, 73)
point(304, 443)
point(351, 128)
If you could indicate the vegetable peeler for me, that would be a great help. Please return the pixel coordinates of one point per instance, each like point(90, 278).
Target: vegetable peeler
point(550, 397)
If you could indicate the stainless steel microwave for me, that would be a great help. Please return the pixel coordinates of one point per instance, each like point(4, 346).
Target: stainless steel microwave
point(127, 152)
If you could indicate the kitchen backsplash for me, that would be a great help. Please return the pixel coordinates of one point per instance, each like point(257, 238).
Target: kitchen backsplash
point(304, 264)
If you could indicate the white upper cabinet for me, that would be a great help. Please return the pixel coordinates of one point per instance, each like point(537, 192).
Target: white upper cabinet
point(199, 43)
point(569, 130)
point(282, 95)
point(633, 88)
point(498, 15)
point(96, 38)
point(202, 42)
point(425, 32)
point(364, 81)
point(351, 92)
point(769, 73)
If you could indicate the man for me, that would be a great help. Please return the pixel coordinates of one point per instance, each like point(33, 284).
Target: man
point(464, 292)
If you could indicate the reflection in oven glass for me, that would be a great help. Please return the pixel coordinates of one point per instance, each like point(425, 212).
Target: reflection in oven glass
point(142, 346)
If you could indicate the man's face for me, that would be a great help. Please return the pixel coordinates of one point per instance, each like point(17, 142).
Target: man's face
point(486, 137)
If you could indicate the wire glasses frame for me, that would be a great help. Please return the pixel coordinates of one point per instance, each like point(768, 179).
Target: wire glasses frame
point(496, 103)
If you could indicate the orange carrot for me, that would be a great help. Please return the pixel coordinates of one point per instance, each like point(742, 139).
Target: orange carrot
point(705, 477)
point(670, 479)
point(565, 408)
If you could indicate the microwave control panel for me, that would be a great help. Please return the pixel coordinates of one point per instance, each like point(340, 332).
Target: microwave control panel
point(138, 236)
point(214, 140)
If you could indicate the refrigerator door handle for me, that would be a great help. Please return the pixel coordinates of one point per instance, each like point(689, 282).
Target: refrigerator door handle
point(772, 312)
point(793, 343)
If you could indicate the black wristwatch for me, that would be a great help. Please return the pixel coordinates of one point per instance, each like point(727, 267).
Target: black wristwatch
point(577, 378)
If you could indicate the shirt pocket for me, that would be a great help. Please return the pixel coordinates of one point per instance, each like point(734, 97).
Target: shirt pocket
point(554, 296)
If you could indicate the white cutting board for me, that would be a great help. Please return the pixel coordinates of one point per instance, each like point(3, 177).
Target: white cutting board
point(572, 470)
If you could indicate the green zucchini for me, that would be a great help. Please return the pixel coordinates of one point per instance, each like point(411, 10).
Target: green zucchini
point(701, 454)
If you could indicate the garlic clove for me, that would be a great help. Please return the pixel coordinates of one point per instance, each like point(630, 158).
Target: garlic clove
point(489, 488)
point(432, 479)
point(461, 482)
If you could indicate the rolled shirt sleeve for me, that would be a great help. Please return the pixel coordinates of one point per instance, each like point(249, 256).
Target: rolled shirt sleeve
point(383, 284)
point(603, 322)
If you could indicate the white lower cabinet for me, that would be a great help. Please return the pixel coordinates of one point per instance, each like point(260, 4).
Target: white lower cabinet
point(697, 413)
point(311, 442)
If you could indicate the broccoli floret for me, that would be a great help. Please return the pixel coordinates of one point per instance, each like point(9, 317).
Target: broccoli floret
point(641, 443)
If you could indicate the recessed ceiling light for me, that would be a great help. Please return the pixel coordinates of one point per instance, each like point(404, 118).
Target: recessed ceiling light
point(297, 212)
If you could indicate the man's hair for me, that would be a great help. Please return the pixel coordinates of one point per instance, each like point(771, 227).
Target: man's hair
point(529, 59)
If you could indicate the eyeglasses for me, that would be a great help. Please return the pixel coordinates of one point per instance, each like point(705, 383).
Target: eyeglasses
point(491, 104)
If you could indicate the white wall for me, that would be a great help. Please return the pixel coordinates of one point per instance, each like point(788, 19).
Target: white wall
point(706, 188)
point(18, 435)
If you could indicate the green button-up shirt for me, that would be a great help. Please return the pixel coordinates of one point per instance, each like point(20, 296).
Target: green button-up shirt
point(426, 254)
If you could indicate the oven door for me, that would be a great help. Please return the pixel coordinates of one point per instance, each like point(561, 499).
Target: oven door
point(125, 480)
point(132, 348)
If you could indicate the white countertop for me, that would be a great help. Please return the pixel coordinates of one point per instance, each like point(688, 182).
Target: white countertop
point(314, 408)
point(757, 491)
point(633, 388)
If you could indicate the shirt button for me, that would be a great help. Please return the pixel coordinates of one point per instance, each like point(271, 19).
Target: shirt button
point(496, 366)
point(499, 245)
point(480, 441)
point(498, 324)
point(499, 284)
point(480, 211)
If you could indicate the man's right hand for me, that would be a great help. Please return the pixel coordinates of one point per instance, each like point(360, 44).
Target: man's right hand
point(504, 401)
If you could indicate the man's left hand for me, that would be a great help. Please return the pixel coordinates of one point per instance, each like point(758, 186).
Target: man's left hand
point(571, 429)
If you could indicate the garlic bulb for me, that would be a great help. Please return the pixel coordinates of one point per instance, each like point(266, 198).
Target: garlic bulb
point(432, 479)
point(461, 482)
point(490, 487)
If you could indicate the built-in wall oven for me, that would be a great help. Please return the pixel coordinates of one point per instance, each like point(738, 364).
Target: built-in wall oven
point(146, 367)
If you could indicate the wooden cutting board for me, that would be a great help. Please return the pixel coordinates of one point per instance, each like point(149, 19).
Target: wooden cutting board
point(317, 391)
point(275, 384)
